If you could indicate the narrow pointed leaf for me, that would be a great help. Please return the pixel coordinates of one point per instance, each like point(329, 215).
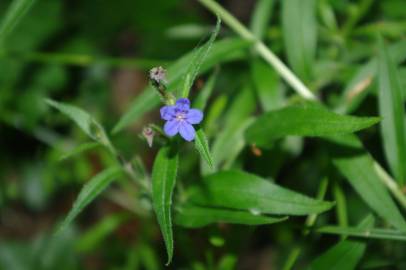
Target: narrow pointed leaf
point(221, 51)
point(81, 148)
point(198, 59)
point(202, 146)
point(357, 166)
point(83, 119)
point(163, 183)
point(191, 216)
point(89, 192)
point(243, 191)
point(345, 255)
point(308, 119)
point(391, 108)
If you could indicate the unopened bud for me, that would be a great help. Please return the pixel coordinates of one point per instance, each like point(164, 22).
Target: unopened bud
point(148, 134)
point(158, 76)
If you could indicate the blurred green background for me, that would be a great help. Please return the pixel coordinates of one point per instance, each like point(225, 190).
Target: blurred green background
point(96, 54)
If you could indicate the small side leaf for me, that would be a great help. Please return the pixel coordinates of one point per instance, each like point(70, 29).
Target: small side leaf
point(308, 119)
point(163, 182)
point(79, 149)
point(89, 192)
point(202, 147)
point(83, 119)
point(191, 216)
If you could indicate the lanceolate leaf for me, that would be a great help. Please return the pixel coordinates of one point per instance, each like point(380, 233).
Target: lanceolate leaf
point(90, 191)
point(308, 119)
point(191, 216)
point(300, 34)
point(14, 14)
point(391, 107)
point(221, 51)
point(345, 255)
point(84, 120)
point(357, 166)
point(202, 147)
point(244, 191)
point(163, 183)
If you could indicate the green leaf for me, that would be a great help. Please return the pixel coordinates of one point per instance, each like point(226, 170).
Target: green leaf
point(198, 59)
point(221, 51)
point(392, 111)
point(163, 182)
point(191, 216)
point(243, 191)
point(267, 84)
point(84, 120)
point(357, 166)
point(308, 119)
point(89, 192)
point(261, 17)
point(299, 27)
point(13, 16)
point(79, 149)
point(345, 255)
point(202, 147)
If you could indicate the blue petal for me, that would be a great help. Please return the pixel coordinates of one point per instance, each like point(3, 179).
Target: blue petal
point(167, 112)
point(194, 116)
point(183, 104)
point(171, 127)
point(187, 131)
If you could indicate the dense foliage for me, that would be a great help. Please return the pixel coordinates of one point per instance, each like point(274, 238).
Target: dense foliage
point(202, 135)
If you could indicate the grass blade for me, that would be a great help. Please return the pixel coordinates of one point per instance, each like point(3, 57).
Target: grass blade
point(261, 17)
point(345, 255)
point(386, 234)
point(14, 14)
point(308, 119)
point(357, 166)
point(190, 216)
point(300, 35)
point(89, 192)
point(393, 113)
point(163, 183)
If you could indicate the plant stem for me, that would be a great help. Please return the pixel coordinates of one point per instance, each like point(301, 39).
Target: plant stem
point(391, 184)
point(261, 49)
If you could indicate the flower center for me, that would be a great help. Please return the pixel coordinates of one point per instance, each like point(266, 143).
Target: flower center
point(180, 116)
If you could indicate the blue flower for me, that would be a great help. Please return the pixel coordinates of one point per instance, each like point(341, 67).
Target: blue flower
point(180, 118)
